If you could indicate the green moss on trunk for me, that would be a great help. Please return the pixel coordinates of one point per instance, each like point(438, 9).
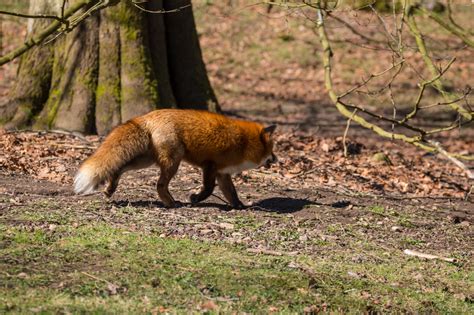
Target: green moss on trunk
point(107, 111)
point(84, 83)
point(139, 92)
point(30, 91)
point(71, 101)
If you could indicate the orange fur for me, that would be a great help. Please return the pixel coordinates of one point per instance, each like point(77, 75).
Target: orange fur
point(215, 143)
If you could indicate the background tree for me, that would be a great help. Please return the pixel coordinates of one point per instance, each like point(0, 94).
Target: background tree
point(115, 64)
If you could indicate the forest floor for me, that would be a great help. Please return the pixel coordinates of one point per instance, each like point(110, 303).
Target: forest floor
point(322, 233)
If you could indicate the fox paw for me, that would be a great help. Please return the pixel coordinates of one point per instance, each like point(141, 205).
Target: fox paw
point(108, 193)
point(194, 198)
point(239, 206)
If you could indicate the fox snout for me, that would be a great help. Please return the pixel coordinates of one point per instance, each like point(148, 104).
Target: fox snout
point(272, 159)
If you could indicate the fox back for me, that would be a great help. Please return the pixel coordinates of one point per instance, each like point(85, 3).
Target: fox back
point(206, 136)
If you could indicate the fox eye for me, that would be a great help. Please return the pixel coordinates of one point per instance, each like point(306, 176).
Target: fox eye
point(270, 129)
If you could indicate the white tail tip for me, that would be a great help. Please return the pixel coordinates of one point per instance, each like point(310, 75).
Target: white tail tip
point(84, 183)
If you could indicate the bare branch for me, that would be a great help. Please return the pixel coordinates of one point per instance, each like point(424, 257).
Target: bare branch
point(422, 90)
point(450, 17)
point(453, 159)
point(159, 11)
point(60, 24)
point(346, 131)
point(344, 108)
point(35, 16)
point(464, 96)
point(413, 27)
point(372, 76)
point(38, 39)
point(452, 28)
point(354, 30)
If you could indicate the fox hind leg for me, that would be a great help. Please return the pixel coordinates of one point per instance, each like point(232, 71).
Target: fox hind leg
point(228, 189)
point(142, 161)
point(209, 182)
point(112, 185)
point(168, 158)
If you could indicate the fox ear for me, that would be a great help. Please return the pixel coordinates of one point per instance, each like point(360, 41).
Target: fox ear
point(270, 129)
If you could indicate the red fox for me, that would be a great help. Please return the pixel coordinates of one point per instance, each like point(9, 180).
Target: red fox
point(219, 145)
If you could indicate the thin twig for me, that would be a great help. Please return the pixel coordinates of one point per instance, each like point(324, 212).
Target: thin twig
point(428, 256)
point(451, 158)
point(40, 38)
point(438, 84)
point(422, 90)
point(354, 30)
point(346, 131)
point(98, 279)
point(459, 32)
point(63, 6)
point(160, 11)
point(35, 16)
point(372, 76)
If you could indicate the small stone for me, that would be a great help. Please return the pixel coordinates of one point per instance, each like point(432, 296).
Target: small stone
point(381, 158)
point(60, 168)
point(396, 228)
point(22, 275)
point(325, 147)
point(303, 238)
point(206, 231)
point(112, 288)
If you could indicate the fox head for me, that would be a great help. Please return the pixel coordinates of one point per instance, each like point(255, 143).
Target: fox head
point(266, 138)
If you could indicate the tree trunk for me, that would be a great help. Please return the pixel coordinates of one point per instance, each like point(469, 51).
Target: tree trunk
point(116, 65)
point(187, 71)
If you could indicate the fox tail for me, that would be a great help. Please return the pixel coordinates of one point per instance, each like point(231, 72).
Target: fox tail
point(122, 145)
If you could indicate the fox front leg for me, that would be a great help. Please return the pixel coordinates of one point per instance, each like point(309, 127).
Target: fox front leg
point(209, 173)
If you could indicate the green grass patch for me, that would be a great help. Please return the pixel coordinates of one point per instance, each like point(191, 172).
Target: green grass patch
point(101, 269)
point(377, 209)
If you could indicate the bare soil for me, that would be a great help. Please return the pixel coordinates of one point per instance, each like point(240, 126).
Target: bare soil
point(415, 202)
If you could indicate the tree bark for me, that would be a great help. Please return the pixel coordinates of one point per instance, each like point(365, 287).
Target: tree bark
point(159, 54)
point(72, 96)
point(34, 76)
point(139, 84)
point(107, 109)
point(188, 74)
point(116, 65)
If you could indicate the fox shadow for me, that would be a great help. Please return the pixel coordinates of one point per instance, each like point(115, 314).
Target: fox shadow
point(282, 204)
point(277, 204)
